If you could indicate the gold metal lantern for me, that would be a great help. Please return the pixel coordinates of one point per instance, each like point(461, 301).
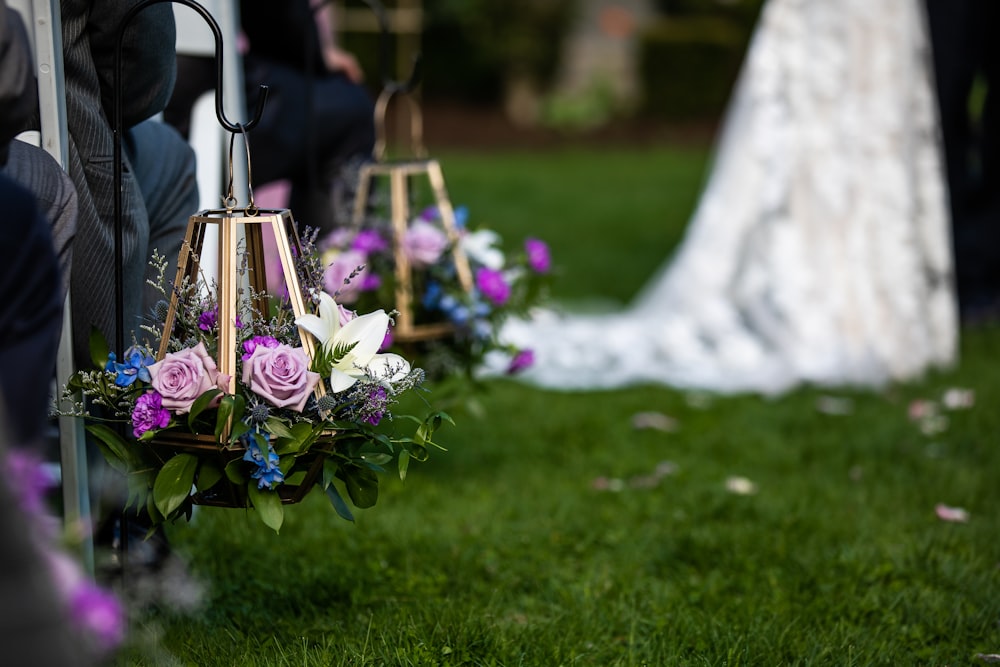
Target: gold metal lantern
point(399, 173)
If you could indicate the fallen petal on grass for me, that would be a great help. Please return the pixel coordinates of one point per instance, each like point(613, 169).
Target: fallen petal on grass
point(958, 398)
point(741, 486)
point(654, 420)
point(834, 405)
point(952, 514)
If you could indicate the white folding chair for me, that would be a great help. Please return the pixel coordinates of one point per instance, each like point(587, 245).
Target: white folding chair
point(42, 18)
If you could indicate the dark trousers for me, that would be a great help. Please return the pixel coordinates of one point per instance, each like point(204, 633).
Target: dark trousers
point(966, 52)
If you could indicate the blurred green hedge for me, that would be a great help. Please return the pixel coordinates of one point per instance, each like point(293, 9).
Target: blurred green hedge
point(688, 66)
point(688, 57)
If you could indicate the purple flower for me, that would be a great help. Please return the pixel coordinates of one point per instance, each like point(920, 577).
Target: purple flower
point(345, 277)
point(100, 613)
point(181, 377)
point(538, 255)
point(386, 341)
point(281, 376)
point(493, 286)
point(208, 320)
point(258, 341)
point(369, 241)
point(424, 243)
point(28, 480)
point(376, 404)
point(149, 413)
point(522, 360)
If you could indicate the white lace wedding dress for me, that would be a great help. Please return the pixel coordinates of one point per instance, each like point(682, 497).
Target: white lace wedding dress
point(820, 249)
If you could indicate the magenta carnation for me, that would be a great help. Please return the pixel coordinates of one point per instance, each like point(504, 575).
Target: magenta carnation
point(493, 285)
point(149, 413)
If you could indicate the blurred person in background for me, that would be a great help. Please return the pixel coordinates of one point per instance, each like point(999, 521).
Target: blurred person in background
point(967, 54)
point(318, 123)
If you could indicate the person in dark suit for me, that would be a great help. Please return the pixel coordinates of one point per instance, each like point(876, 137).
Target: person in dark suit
point(159, 185)
point(318, 122)
point(966, 56)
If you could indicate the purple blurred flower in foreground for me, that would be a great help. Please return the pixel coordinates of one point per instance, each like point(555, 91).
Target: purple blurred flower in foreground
point(493, 286)
point(522, 360)
point(29, 480)
point(539, 258)
point(98, 612)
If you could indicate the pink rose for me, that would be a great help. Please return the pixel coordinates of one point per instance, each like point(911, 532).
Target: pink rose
point(424, 243)
point(181, 377)
point(281, 376)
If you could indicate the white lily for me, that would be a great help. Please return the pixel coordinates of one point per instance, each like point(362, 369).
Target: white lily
point(357, 343)
point(480, 247)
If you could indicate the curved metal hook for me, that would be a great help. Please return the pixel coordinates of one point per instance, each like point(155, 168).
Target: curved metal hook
point(217, 33)
point(118, 131)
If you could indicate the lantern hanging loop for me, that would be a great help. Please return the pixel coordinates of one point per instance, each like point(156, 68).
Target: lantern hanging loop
point(230, 199)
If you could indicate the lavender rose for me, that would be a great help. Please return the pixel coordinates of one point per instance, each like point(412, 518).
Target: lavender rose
point(181, 377)
point(149, 413)
point(424, 243)
point(281, 376)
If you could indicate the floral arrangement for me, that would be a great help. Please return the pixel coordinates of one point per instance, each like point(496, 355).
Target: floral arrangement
point(284, 424)
point(360, 270)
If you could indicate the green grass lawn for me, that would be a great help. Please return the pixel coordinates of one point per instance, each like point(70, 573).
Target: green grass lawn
point(554, 532)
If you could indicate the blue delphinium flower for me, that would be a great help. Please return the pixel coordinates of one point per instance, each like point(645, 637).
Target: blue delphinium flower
point(267, 473)
point(432, 295)
point(133, 369)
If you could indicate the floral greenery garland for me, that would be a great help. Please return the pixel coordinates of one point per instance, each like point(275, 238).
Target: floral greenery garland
point(275, 436)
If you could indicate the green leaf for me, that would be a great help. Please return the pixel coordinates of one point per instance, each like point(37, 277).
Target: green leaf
point(239, 430)
point(404, 464)
point(200, 404)
point(113, 446)
point(377, 459)
point(268, 506)
point(277, 428)
point(98, 348)
point(234, 472)
point(300, 436)
point(338, 503)
point(209, 475)
point(296, 478)
point(362, 485)
point(329, 472)
point(173, 482)
point(231, 409)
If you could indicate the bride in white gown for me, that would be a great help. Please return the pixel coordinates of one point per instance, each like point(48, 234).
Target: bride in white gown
point(820, 250)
